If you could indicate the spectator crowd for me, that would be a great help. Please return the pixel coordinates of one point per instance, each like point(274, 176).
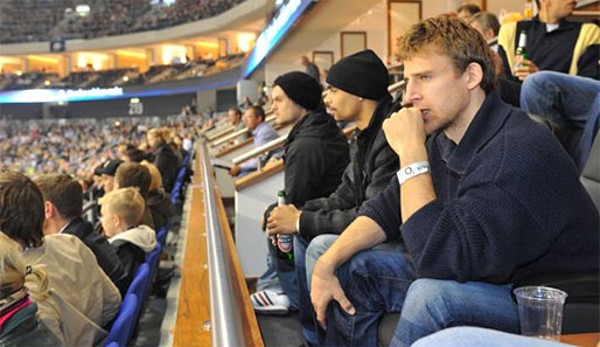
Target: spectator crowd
point(38, 20)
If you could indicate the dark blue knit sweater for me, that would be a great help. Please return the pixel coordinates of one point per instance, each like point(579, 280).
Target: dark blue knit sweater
point(509, 205)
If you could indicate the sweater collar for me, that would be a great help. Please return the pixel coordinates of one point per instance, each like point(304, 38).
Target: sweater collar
point(488, 120)
point(563, 24)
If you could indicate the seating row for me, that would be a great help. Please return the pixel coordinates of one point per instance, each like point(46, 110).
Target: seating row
point(181, 175)
point(131, 309)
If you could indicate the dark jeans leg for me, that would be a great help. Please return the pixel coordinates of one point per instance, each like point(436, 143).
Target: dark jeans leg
point(375, 281)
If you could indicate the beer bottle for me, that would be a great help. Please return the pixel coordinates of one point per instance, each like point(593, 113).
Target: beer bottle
point(521, 56)
point(285, 242)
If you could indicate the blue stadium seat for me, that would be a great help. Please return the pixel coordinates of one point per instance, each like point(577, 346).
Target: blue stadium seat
point(161, 236)
point(122, 328)
point(152, 260)
point(140, 283)
point(176, 190)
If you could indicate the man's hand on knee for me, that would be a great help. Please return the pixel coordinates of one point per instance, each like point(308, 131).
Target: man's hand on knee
point(326, 286)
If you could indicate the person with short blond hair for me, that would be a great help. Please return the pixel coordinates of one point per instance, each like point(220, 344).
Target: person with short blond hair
point(133, 174)
point(126, 203)
point(485, 199)
point(122, 211)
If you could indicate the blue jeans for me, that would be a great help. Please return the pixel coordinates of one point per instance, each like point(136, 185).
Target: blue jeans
point(571, 102)
point(432, 305)
point(269, 280)
point(375, 281)
point(306, 311)
point(476, 337)
point(276, 280)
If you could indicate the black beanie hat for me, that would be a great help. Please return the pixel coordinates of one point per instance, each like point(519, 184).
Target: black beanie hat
point(361, 74)
point(302, 88)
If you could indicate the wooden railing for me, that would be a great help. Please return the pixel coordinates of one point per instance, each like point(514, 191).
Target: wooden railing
point(270, 169)
point(214, 306)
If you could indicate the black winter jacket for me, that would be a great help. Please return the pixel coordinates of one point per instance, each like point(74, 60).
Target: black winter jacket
point(316, 154)
point(372, 164)
point(105, 254)
point(160, 207)
point(167, 163)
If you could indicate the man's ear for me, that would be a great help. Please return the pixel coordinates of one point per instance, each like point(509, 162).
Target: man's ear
point(49, 210)
point(474, 75)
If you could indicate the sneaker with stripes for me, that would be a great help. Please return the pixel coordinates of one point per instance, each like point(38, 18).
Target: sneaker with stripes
point(270, 302)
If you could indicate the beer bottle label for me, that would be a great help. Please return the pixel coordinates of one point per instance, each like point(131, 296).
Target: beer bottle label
point(285, 243)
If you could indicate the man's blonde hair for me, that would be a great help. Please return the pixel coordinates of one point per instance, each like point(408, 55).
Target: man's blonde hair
point(127, 203)
point(454, 38)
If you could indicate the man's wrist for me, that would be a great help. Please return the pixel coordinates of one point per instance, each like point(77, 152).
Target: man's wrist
point(413, 155)
point(324, 266)
point(415, 169)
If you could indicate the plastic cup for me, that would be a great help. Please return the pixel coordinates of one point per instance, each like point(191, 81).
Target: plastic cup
point(540, 311)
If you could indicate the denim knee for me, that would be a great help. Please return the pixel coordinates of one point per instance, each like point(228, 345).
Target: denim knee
point(427, 294)
point(315, 249)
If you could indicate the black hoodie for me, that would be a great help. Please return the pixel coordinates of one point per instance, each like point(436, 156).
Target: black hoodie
point(316, 155)
point(373, 163)
point(160, 207)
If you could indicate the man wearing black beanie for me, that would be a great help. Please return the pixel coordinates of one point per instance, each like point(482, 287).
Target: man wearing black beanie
point(357, 93)
point(316, 155)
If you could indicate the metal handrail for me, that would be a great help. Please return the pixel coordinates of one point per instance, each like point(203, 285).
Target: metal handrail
point(260, 150)
point(89, 212)
point(226, 321)
point(237, 133)
point(228, 137)
point(394, 87)
point(396, 66)
point(219, 132)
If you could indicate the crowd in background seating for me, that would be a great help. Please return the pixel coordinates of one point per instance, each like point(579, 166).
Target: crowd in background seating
point(77, 147)
point(119, 76)
point(43, 20)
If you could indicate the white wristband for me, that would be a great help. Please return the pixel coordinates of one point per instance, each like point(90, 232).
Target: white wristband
point(298, 223)
point(412, 170)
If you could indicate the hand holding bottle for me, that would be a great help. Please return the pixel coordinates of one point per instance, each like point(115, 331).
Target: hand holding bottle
point(524, 69)
point(285, 242)
point(523, 66)
point(283, 220)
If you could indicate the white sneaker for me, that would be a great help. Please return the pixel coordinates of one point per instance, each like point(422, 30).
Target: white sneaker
point(270, 302)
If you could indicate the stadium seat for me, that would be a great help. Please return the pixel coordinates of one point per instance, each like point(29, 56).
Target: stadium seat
point(141, 282)
point(591, 173)
point(161, 236)
point(122, 328)
point(152, 260)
